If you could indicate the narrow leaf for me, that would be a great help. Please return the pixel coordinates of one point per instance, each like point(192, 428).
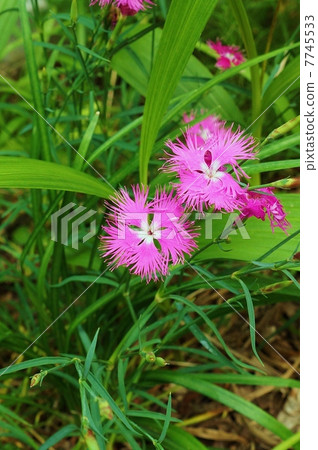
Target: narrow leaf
point(90, 355)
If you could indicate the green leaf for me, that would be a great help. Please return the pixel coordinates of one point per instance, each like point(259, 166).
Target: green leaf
point(222, 396)
point(90, 355)
point(295, 439)
point(32, 173)
point(86, 140)
point(167, 421)
point(90, 52)
point(99, 389)
point(37, 362)
point(271, 166)
point(253, 380)
point(67, 431)
point(183, 27)
point(8, 23)
point(278, 146)
point(34, 79)
point(251, 316)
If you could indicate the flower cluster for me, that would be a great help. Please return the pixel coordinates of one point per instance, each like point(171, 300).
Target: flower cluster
point(228, 55)
point(148, 235)
point(127, 7)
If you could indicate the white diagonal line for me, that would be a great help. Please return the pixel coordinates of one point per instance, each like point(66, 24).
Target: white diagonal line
point(272, 103)
point(243, 318)
point(53, 128)
point(52, 323)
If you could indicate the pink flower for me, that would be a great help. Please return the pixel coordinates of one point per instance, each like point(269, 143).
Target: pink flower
point(127, 7)
point(202, 168)
point(228, 54)
point(262, 203)
point(147, 236)
point(205, 128)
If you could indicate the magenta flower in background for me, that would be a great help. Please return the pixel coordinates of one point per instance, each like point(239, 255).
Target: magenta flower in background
point(228, 54)
point(147, 236)
point(202, 168)
point(264, 203)
point(205, 128)
point(127, 7)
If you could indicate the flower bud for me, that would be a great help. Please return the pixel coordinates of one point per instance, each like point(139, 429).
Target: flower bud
point(74, 12)
point(90, 441)
point(275, 287)
point(286, 183)
point(285, 128)
point(160, 362)
point(38, 378)
point(150, 357)
point(105, 409)
point(35, 380)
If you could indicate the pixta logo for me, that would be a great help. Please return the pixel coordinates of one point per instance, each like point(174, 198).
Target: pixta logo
point(60, 226)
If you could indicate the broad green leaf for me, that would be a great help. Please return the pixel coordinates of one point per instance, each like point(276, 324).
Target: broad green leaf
point(183, 27)
point(32, 173)
point(261, 238)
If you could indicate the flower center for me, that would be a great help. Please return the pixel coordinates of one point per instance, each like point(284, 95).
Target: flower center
point(148, 232)
point(211, 170)
point(230, 56)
